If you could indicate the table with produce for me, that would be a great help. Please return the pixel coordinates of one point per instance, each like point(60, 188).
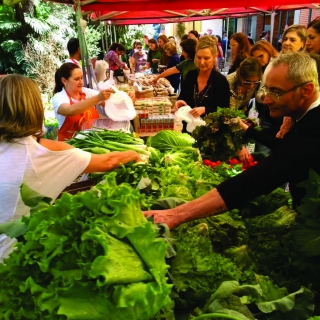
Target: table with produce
point(93, 255)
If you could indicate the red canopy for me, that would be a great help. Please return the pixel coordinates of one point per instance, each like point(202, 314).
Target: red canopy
point(135, 16)
point(126, 12)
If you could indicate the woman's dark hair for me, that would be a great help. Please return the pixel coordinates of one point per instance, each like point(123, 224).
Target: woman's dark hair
point(244, 45)
point(64, 71)
point(118, 46)
point(195, 33)
point(219, 39)
point(189, 46)
point(316, 57)
point(315, 24)
point(249, 67)
point(154, 41)
point(184, 37)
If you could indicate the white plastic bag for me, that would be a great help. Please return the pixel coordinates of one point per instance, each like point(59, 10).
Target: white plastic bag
point(183, 114)
point(120, 106)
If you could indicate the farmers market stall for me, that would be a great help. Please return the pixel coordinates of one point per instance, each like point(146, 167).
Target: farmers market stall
point(96, 249)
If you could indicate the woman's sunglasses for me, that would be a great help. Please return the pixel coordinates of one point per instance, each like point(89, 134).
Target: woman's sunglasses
point(248, 83)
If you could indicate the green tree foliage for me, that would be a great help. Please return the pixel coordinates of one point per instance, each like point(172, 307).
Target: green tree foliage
point(37, 24)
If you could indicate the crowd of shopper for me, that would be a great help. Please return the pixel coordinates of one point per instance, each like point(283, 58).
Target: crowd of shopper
point(286, 82)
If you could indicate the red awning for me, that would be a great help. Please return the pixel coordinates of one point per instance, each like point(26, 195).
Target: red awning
point(168, 16)
point(165, 11)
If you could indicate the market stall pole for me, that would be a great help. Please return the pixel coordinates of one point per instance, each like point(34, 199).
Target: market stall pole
point(87, 67)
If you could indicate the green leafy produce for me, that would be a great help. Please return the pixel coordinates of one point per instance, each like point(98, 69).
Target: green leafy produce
point(169, 139)
point(89, 256)
point(222, 137)
point(196, 270)
point(273, 302)
point(280, 219)
point(182, 157)
point(266, 203)
point(110, 140)
point(226, 230)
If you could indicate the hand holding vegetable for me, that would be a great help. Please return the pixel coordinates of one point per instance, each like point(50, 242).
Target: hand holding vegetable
point(242, 124)
point(244, 155)
point(179, 104)
point(197, 112)
point(169, 217)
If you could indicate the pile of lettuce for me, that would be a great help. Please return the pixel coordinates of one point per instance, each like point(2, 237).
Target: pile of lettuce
point(89, 256)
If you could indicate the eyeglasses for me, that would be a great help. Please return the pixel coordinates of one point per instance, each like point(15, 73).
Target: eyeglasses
point(276, 95)
point(139, 48)
point(248, 83)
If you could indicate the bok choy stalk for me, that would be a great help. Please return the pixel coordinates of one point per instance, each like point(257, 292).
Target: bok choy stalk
point(117, 141)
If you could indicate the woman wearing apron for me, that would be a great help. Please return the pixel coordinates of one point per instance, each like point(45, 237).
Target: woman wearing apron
point(74, 105)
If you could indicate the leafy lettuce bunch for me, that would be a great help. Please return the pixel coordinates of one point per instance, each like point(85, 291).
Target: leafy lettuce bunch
point(222, 136)
point(89, 256)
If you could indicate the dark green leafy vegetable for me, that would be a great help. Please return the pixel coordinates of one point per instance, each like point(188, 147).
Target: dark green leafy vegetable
point(222, 136)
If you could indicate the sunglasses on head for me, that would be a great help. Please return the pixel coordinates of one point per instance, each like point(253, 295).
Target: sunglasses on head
point(251, 82)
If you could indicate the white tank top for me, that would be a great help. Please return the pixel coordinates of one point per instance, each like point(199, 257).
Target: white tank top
point(47, 172)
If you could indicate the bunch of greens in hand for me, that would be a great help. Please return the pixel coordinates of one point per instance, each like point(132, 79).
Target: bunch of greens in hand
point(222, 136)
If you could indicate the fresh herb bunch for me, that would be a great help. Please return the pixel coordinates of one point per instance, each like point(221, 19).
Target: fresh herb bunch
point(221, 137)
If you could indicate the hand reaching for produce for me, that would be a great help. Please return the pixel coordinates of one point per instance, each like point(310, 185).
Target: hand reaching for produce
point(155, 80)
point(244, 155)
point(167, 217)
point(197, 112)
point(242, 124)
point(179, 104)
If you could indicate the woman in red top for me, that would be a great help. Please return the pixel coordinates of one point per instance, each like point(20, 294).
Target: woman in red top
point(74, 105)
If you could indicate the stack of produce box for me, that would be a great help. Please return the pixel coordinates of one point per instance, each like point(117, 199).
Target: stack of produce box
point(153, 115)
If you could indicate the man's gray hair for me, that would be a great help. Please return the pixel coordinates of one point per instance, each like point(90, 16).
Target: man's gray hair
point(301, 66)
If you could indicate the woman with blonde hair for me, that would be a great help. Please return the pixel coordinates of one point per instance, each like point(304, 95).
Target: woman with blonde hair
point(294, 39)
point(204, 89)
point(45, 166)
point(240, 50)
point(100, 70)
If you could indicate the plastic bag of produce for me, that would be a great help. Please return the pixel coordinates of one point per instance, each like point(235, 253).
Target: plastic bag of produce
point(183, 114)
point(120, 106)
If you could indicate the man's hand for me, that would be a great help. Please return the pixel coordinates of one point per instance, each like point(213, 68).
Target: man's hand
point(244, 155)
point(169, 217)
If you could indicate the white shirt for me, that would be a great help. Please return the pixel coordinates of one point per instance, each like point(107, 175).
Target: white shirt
point(62, 97)
point(75, 61)
point(44, 171)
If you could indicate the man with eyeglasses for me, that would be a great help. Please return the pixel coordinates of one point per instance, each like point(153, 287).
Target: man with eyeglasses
point(291, 89)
